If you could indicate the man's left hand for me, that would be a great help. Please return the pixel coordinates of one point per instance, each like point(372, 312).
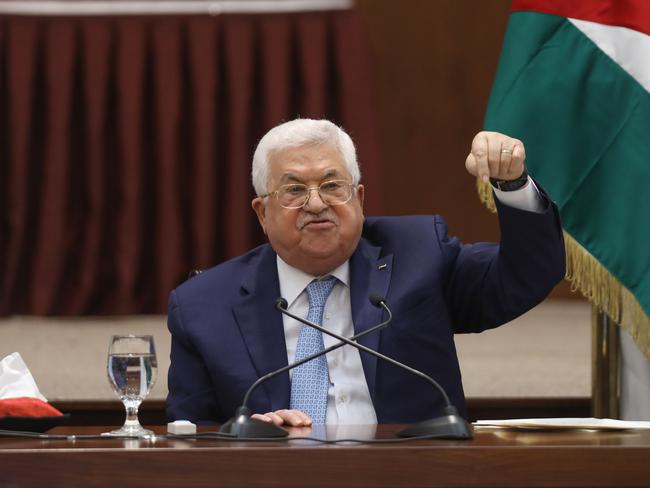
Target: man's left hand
point(496, 155)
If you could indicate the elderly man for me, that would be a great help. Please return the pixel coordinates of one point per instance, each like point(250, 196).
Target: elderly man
point(325, 259)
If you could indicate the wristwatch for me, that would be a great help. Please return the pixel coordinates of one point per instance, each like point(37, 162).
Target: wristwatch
point(510, 185)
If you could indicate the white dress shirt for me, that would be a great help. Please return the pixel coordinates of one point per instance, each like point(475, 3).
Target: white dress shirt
point(348, 398)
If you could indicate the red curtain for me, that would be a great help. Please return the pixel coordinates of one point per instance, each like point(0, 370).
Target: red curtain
point(125, 145)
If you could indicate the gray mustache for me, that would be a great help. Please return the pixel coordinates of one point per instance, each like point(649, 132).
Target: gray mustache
point(326, 215)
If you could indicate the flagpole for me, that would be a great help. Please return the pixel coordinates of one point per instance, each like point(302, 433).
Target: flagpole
point(604, 365)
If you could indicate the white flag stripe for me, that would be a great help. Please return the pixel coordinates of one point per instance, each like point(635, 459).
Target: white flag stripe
point(629, 48)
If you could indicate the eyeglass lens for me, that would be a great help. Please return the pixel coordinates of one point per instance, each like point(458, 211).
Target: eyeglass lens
point(334, 192)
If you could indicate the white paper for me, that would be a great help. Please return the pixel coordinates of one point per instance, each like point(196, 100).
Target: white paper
point(566, 423)
point(16, 379)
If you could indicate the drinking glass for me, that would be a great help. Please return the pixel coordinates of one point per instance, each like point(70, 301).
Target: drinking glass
point(132, 369)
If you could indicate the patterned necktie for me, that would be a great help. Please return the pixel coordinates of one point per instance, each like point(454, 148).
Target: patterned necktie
point(310, 381)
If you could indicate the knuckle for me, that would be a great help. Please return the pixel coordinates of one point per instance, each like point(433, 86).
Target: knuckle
point(480, 138)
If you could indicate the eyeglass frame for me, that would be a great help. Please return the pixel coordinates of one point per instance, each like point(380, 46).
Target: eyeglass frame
point(309, 189)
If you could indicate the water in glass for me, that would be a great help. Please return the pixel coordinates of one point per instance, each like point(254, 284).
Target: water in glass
point(132, 368)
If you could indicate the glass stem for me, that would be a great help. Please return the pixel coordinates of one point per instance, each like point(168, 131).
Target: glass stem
point(131, 412)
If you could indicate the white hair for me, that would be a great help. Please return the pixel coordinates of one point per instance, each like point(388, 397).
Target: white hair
point(301, 132)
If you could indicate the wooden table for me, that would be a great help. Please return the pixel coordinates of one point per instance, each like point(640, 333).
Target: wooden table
point(494, 458)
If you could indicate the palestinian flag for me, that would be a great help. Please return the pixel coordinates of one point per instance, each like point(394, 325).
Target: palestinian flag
point(573, 83)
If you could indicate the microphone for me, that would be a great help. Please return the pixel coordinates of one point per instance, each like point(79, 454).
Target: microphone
point(449, 426)
point(376, 300)
point(243, 426)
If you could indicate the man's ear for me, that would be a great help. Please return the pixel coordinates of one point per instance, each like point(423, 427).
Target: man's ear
point(259, 206)
point(360, 194)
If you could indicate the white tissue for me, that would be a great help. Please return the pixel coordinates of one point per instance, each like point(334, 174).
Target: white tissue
point(16, 380)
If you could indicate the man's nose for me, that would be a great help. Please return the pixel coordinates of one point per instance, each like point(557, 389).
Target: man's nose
point(314, 201)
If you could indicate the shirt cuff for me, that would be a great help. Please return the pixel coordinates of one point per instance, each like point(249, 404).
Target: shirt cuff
point(526, 198)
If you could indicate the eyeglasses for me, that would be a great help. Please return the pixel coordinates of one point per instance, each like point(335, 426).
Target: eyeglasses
point(296, 195)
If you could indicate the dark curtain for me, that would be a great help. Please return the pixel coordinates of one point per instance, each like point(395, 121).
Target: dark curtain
point(125, 145)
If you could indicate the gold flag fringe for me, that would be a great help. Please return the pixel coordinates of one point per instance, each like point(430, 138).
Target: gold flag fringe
point(596, 283)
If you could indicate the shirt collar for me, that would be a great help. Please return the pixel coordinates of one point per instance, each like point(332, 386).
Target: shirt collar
point(294, 281)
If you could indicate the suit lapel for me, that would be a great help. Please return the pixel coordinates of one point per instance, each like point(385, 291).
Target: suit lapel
point(369, 273)
point(261, 325)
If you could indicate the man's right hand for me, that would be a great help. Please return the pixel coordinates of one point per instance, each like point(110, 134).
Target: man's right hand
point(292, 418)
point(497, 156)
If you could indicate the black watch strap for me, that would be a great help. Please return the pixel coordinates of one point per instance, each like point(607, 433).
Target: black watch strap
point(510, 185)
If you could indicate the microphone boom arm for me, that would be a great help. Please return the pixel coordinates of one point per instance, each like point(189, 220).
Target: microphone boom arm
point(372, 352)
point(270, 375)
point(451, 425)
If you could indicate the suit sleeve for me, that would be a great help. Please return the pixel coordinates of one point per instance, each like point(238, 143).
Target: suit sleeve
point(191, 395)
point(490, 284)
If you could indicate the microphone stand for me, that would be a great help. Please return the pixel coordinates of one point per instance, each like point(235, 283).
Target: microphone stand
point(451, 425)
point(242, 425)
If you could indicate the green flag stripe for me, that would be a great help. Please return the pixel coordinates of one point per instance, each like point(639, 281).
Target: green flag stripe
point(586, 126)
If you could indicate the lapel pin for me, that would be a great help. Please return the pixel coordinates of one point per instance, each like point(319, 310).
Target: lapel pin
point(382, 266)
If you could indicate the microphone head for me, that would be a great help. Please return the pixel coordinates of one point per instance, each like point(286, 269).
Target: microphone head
point(376, 299)
point(281, 303)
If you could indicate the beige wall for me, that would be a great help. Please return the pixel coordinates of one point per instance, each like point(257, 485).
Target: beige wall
point(67, 357)
point(545, 353)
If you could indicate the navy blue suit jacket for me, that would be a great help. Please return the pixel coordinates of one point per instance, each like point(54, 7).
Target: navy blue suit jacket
point(226, 332)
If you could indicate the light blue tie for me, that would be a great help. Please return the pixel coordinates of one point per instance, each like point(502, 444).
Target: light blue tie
point(310, 381)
